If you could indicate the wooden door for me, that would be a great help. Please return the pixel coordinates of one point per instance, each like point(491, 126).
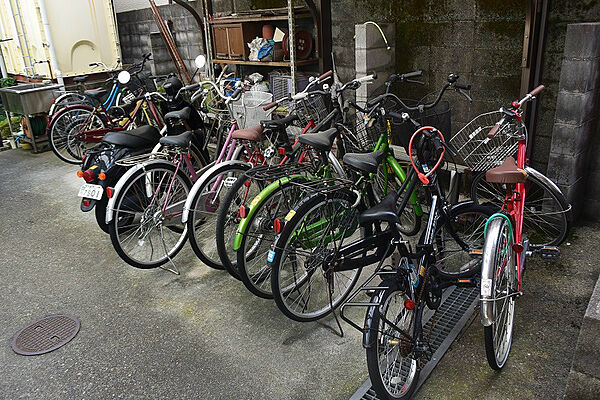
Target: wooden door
point(220, 42)
point(236, 42)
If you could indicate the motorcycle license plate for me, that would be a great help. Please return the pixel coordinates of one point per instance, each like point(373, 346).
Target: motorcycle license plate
point(91, 191)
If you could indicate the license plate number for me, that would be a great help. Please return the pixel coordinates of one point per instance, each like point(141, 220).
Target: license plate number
point(91, 191)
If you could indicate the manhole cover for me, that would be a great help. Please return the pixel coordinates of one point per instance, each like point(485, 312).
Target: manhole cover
point(45, 335)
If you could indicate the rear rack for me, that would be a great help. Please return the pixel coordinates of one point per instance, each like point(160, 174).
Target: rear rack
point(324, 186)
point(274, 172)
point(134, 160)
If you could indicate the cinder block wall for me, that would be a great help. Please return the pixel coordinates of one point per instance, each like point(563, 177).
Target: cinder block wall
point(135, 28)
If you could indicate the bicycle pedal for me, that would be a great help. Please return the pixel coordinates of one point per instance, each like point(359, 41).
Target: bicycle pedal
point(549, 252)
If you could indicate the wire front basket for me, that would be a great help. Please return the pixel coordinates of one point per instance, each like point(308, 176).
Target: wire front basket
point(481, 153)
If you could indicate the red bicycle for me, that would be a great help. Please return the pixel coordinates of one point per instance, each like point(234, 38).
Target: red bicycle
point(506, 244)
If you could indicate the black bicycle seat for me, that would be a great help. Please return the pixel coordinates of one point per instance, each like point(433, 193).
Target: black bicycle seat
point(278, 123)
point(183, 114)
point(80, 79)
point(96, 93)
point(384, 211)
point(321, 140)
point(366, 162)
point(145, 136)
point(182, 140)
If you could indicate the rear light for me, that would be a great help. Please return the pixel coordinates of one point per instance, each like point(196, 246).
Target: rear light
point(281, 151)
point(409, 304)
point(517, 247)
point(80, 174)
point(86, 203)
point(83, 158)
point(109, 192)
point(89, 175)
point(102, 176)
point(242, 211)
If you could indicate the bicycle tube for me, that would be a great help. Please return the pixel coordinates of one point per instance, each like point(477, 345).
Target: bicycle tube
point(401, 174)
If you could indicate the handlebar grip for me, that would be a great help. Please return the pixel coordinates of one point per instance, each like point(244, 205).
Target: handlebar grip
point(375, 101)
point(395, 115)
point(237, 92)
point(191, 87)
point(537, 90)
point(414, 74)
point(493, 131)
point(270, 105)
point(463, 86)
point(93, 64)
point(325, 75)
point(438, 146)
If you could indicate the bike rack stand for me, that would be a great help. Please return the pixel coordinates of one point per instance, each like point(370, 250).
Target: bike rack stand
point(458, 304)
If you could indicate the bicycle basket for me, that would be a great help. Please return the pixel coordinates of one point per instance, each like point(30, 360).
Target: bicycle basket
point(479, 152)
point(438, 117)
point(311, 108)
point(248, 110)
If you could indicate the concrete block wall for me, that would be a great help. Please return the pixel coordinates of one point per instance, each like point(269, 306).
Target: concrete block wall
point(372, 54)
point(573, 158)
point(138, 34)
point(584, 377)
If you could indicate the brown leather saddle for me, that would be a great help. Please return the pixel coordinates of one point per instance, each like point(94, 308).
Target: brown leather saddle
point(507, 172)
point(253, 134)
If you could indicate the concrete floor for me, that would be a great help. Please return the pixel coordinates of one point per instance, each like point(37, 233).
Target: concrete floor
point(151, 334)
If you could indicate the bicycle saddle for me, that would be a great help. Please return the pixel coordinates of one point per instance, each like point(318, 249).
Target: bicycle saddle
point(365, 162)
point(182, 140)
point(146, 136)
point(254, 134)
point(384, 211)
point(80, 79)
point(278, 123)
point(321, 140)
point(183, 114)
point(96, 93)
point(507, 172)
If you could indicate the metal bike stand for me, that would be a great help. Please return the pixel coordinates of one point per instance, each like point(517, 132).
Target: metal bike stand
point(458, 304)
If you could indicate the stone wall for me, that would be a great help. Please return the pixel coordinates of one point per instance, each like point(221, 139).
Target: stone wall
point(576, 120)
point(138, 34)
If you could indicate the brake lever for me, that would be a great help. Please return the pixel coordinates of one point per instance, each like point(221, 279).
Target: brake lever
point(449, 149)
point(462, 92)
point(413, 81)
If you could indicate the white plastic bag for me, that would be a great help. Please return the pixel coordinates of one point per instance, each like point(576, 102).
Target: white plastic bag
point(254, 47)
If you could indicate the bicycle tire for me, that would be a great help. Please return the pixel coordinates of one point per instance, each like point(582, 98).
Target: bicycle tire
point(55, 137)
point(556, 224)
point(134, 204)
point(282, 249)
point(252, 266)
point(203, 212)
point(375, 325)
point(100, 213)
point(499, 237)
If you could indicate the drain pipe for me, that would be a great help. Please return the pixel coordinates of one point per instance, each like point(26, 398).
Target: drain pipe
point(53, 62)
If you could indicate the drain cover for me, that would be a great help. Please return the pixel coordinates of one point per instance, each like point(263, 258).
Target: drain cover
point(45, 335)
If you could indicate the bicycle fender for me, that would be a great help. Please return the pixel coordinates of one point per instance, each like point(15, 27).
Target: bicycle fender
point(121, 183)
point(487, 271)
point(254, 204)
point(553, 187)
point(202, 181)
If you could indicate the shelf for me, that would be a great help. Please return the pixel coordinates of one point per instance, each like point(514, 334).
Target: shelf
point(259, 18)
point(267, 63)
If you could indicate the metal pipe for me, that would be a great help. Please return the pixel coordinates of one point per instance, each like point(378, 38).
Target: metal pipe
point(31, 66)
point(53, 62)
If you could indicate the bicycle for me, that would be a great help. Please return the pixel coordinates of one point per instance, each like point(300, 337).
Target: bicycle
point(310, 249)
point(506, 245)
point(226, 199)
point(150, 196)
point(75, 128)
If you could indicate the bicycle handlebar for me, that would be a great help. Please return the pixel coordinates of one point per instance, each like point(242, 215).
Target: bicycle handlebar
point(516, 105)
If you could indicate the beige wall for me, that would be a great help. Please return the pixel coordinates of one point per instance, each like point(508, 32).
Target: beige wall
point(83, 31)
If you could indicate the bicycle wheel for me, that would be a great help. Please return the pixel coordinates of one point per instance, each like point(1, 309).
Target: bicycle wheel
point(151, 200)
point(503, 286)
point(459, 240)
point(385, 183)
point(304, 284)
point(393, 371)
point(545, 220)
point(252, 256)
point(63, 129)
point(202, 216)
point(228, 219)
